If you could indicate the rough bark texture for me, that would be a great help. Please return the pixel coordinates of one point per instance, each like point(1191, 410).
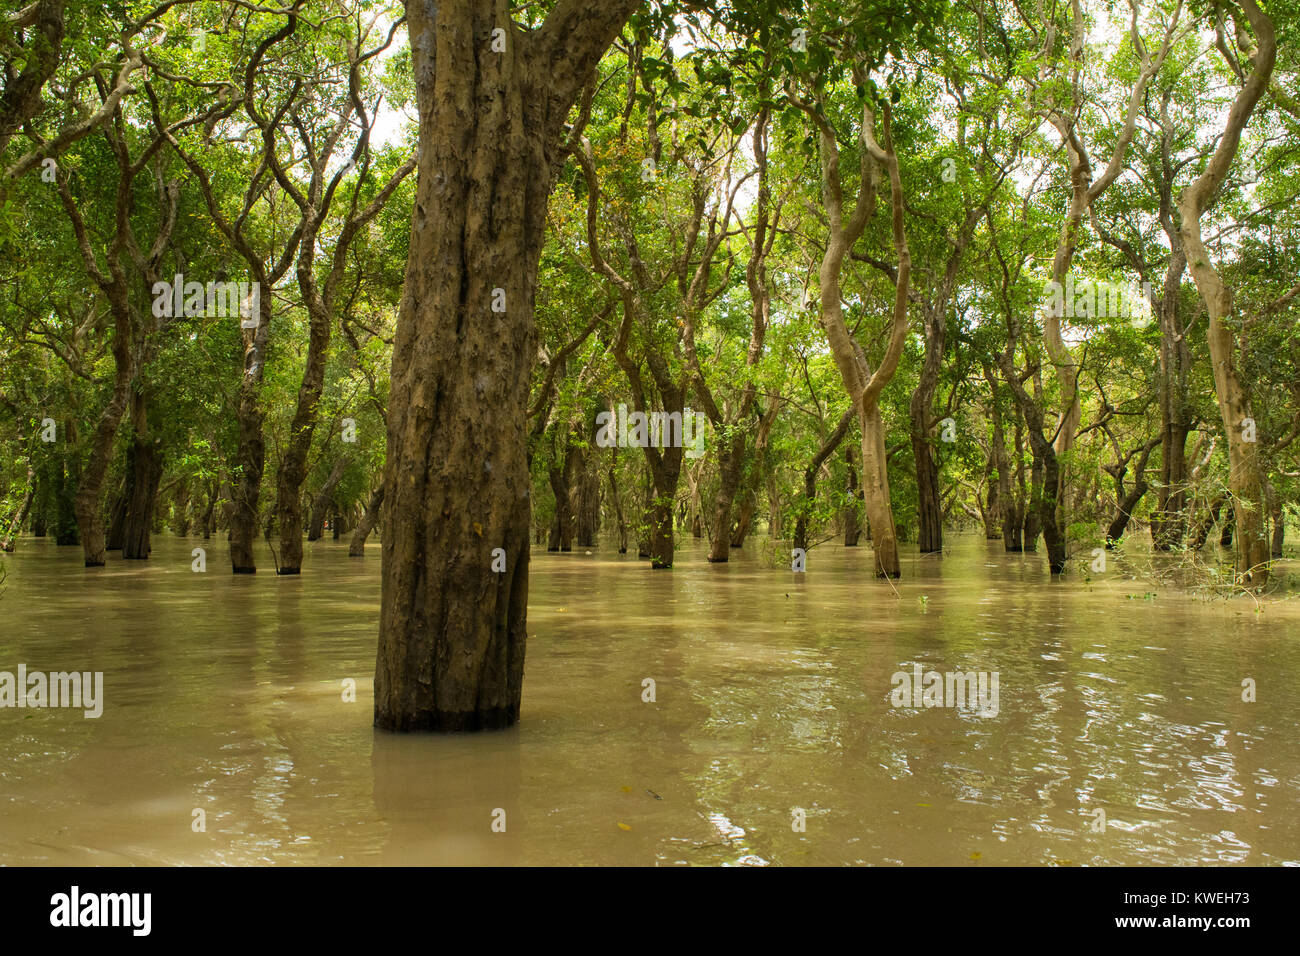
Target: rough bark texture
point(144, 468)
point(452, 630)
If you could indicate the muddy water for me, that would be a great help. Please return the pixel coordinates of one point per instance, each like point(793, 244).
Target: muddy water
point(772, 692)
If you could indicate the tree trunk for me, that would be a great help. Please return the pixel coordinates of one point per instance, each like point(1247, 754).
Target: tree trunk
point(1169, 519)
point(744, 522)
point(144, 468)
point(810, 473)
point(89, 505)
point(618, 510)
point(357, 547)
point(323, 502)
point(452, 628)
point(853, 494)
point(64, 489)
point(1245, 468)
point(7, 543)
point(117, 518)
point(587, 509)
point(929, 507)
point(209, 513)
point(181, 509)
point(1126, 502)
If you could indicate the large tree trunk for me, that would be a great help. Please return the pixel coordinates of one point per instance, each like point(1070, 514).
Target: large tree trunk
point(250, 454)
point(452, 628)
point(1245, 469)
point(357, 547)
point(731, 467)
point(89, 501)
point(144, 468)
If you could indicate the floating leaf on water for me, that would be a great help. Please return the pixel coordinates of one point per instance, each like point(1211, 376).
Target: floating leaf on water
point(624, 826)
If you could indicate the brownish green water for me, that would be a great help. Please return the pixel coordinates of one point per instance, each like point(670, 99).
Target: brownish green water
point(224, 694)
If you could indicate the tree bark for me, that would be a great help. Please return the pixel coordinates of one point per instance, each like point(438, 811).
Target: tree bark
point(357, 547)
point(452, 629)
point(144, 468)
point(1245, 469)
point(323, 502)
point(7, 543)
point(810, 473)
point(852, 494)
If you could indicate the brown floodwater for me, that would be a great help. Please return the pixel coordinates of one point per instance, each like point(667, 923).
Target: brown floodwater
point(772, 694)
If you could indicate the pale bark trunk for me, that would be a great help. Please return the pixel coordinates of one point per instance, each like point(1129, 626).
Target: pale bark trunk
point(1245, 468)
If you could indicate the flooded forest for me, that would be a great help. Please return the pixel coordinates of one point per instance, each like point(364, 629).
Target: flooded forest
point(650, 432)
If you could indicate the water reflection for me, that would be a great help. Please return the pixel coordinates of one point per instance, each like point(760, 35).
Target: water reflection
point(772, 695)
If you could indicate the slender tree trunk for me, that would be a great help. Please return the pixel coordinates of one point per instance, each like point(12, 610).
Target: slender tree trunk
point(1169, 519)
point(1127, 501)
point(1203, 529)
point(357, 548)
point(587, 511)
point(7, 543)
point(67, 481)
point(810, 474)
point(1245, 469)
point(452, 629)
point(929, 508)
point(853, 494)
point(324, 500)
point(618, 510)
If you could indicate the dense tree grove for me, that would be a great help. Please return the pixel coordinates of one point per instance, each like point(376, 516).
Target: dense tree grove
point(480, 278)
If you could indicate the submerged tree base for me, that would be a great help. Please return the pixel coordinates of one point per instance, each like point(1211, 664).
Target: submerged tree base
point(446, 721)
